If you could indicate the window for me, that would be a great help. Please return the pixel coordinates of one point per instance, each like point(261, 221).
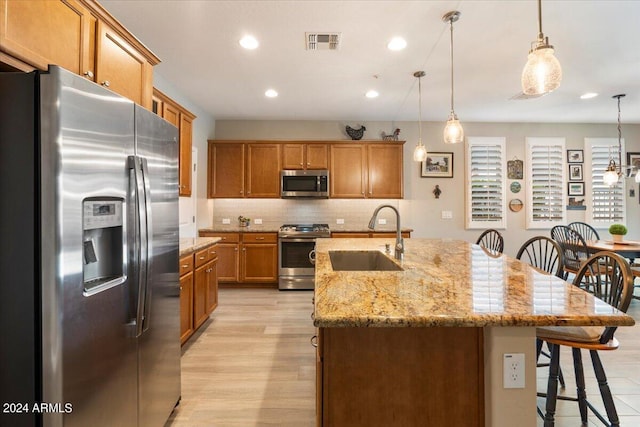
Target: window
point(605, 205)
point(546, 186)
point(485, 174)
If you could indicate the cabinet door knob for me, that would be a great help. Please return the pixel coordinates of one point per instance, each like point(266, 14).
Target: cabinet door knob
point(185, 265)
point(202, 257)
point(106, 83)
point(300, 163)
point(244, 249)
point(241, 191)
point(180, 287)
point(89, 74)
point(259, 238)
point(308, 163)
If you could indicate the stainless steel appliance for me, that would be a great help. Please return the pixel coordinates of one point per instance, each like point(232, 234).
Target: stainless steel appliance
point(296, 254)
point(89, 300)
point(304, 184)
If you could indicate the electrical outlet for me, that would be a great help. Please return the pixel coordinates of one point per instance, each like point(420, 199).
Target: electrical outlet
point(447, 215)
point(382, 221)
point(513, 366)
point(257, 221)
point(226, 221)
point(340, 221)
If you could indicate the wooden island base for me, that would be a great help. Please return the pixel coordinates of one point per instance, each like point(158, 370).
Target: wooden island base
point(400, 377)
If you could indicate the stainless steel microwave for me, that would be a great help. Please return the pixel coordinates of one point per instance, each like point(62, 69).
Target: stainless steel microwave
point(304, 184)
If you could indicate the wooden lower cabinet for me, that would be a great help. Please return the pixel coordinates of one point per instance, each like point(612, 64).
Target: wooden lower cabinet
point(246, 258)
point(198, 289)
point(186, 307)
point(400, 377)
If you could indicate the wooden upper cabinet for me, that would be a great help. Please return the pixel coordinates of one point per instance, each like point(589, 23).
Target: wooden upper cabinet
point(225, 171)
point(43, 32)
point(181, 118)
point(384, 180)
point(305, 156)
point(186, 142)
point(348, 167)
point(80, 36)
point(263, 170)
point(122, 68)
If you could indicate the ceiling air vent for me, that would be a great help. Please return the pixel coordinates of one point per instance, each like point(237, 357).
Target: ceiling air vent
point(323, 41)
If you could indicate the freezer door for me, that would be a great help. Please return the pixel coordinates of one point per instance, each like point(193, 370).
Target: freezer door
point(159, 343)
point(89, 351)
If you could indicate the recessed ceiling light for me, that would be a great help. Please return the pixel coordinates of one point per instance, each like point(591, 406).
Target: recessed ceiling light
point(371, 94)
point(397, 43)
point(270, 93)
point(588, 95)
point(249, 42)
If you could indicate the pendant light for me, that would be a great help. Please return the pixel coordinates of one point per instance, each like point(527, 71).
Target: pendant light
point(453, 132)
point(614, 172)
point(420, 152)
point(542, 73)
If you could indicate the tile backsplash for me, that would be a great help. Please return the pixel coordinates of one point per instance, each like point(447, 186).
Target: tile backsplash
point(275, 212)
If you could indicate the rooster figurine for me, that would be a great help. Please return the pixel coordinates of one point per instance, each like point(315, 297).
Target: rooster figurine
point(355, 134)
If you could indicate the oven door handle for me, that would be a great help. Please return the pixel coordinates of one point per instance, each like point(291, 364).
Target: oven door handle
point(297, 240)
point(312, 257)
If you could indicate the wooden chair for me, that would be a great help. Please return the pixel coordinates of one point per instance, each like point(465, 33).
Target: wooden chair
point(544, 254)
point(585, 230)
point(608, 277)
point(574, 248)
point(492, 240)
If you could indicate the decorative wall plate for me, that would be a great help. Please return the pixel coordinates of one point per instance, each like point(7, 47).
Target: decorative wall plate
point(515, 187)
point(515, 205)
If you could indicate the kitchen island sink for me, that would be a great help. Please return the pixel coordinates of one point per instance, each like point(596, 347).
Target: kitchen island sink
point(361, 261)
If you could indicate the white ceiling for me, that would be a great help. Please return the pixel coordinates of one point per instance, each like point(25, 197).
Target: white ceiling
point(597, 43)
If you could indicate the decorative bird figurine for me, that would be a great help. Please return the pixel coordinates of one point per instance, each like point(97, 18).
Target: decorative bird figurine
point(355, 134)
point(392, 137)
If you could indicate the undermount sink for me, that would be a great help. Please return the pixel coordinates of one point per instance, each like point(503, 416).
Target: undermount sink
point(361, 261)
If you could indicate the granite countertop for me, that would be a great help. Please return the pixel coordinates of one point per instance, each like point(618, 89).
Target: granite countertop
point(364, 229)
point(449, 282)
point(190, 245)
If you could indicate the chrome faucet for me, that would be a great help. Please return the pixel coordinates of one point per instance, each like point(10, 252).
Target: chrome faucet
point(399, 249)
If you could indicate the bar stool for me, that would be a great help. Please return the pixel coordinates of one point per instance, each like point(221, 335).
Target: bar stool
point(608, 277)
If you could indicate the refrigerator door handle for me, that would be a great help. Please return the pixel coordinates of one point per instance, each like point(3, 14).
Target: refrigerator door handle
point(148, 236)
point(141, 241)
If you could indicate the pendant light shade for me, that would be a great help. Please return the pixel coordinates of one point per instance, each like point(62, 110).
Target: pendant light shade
point(453, 132)
point(542, 73)
point(420, 152)
point(614, 172)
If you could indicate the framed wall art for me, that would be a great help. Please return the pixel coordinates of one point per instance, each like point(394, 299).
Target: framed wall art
point(575, 189)
point(514, 169)
point(633, 159)
point(575, 172)
point(437, 165)
point(575, 156)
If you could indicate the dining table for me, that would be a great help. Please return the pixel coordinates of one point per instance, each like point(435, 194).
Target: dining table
point(627, 248)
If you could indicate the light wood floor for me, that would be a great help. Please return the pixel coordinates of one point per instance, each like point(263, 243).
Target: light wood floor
point(252, 365)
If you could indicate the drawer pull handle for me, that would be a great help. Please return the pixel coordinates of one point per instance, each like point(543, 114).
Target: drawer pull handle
point(201, 257)
point(185, 265)
point(89, 74)
point(314, 341)
point(259, 238)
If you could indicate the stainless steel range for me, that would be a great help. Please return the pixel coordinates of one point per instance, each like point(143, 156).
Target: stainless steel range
point(296, 254)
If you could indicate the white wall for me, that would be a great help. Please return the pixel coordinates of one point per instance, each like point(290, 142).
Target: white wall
point(420, 210)
point(203, 129)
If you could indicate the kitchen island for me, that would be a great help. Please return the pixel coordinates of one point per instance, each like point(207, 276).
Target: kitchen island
point(425, 345)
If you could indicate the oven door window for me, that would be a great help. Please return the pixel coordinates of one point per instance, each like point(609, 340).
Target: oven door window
point(296, 254)
point(299, 183)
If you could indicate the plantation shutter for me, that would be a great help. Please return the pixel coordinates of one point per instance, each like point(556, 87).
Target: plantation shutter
point(605, 205)
point(546, 186)
point(485, 172)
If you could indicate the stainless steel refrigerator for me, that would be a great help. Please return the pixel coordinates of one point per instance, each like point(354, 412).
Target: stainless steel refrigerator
point(89, 293)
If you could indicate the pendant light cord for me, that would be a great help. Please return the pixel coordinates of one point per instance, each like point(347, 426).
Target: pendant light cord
point(540, 35)
point(451, 51)
point(420, 109)
point(619, 135)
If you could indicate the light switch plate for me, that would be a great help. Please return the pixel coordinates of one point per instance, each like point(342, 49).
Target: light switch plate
point(257, 221)
point(226, 221)
point(382, 221)
point(340, 221)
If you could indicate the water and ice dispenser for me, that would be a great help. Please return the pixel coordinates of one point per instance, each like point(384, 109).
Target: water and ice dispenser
point(103, 246)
